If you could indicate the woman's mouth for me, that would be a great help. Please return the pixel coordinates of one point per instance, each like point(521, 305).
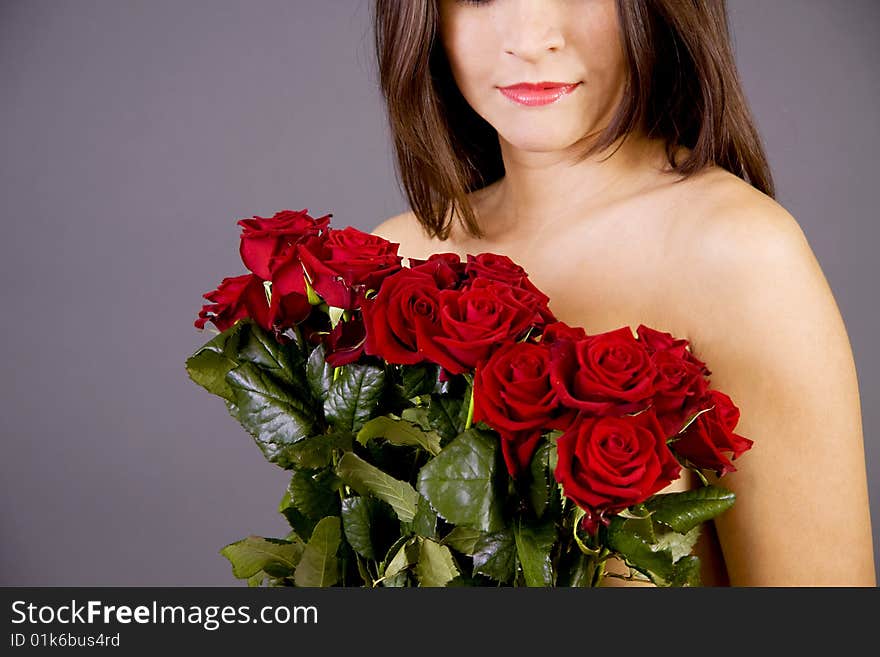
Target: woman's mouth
point(540, 93)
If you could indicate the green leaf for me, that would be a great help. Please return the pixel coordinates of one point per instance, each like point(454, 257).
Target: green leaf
point(533, 546)
point(356, 524)
point(495, 556)
point(257, 579)
point(418, 415)
point(447, 415)
point(314, 493)
point(274, 418)
point(364, 572)
point(542, 478)
point(353, 398)
point(425, 522)
point(651, 559)
point(210, 363)
point(399, 432)
point(282, 361)
point(317, 451)
point(463, 539)
point(576, 571)
point(436, 566)
point(319, 373)
point(367, 479)
point(301, 524)
point(461, 481)
point(319, 565)
point(369, 525)
point(684, 511)
point(687, 572)
point(405, 555)
point(253, 554)
point(417, 379)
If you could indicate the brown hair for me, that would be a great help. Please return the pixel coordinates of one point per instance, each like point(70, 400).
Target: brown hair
point(683, 87)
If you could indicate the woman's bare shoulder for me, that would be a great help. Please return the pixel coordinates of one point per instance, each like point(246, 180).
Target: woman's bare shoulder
point(727, 212)
point(405, 230)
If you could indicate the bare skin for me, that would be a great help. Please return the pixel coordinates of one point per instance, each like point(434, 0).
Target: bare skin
point(713, 260)
point(618, 242)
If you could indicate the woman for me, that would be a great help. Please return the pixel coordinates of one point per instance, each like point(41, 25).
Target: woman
point(637, 191)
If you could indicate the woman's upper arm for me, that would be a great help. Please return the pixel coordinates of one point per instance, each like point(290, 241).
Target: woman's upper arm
point(770, 331)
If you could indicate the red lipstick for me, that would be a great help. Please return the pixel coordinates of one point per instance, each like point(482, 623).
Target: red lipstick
point(538, 93)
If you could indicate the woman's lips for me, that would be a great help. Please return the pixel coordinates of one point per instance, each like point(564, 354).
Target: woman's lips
point(542, 93)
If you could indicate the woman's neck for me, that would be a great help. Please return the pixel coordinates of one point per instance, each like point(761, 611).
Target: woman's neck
point(543, 187)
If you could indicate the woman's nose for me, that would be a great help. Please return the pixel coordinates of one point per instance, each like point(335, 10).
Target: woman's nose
point(532, 28)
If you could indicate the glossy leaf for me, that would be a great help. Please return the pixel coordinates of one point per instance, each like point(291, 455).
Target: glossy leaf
point(687, 572)
point(495, 556)
point(353, 398)
point(317, 451)
point(356, 522)
point(464, 540)
point(319, 565)
point(447, 415)
point(283, 361)
point(406, 553)
point(461, 482)
point(684, 511)
point(253, 554)
point(274, 418)
point(651, 559)
point(399, 432)
point(425, 522)
point(319, 373)
point(435, 567)
point(417, 379)
point(210, 363)
point(314, 493)
point(542, 478)
point(367, 479)
point(533, 546)
point(302, 525)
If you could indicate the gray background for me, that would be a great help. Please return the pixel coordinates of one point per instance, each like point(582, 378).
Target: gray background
point(135, 135)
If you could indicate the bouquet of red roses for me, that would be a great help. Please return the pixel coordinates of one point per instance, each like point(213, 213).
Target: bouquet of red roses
point(443, 428)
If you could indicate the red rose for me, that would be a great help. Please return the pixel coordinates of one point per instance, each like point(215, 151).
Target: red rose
point(446, 268)
point(560, 330)
point(235, 298)
point(657, 341)
point(347, 263)
point(287, 310)
point(390, 318)
point(288, 273)
point(473, 322)
point(499, 267)
point(704, 442)
point(345, 343)
point(607, 464)
point(265, 240)
point(315, 328)
point(518, 447)
point(512, 390)
point(679, 384)
point(608, 373)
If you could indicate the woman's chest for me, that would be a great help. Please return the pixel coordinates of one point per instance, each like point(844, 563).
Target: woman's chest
point(603, 280)
point(600, 277)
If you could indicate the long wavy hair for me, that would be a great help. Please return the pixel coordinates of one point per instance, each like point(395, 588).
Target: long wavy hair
point(682, 86)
